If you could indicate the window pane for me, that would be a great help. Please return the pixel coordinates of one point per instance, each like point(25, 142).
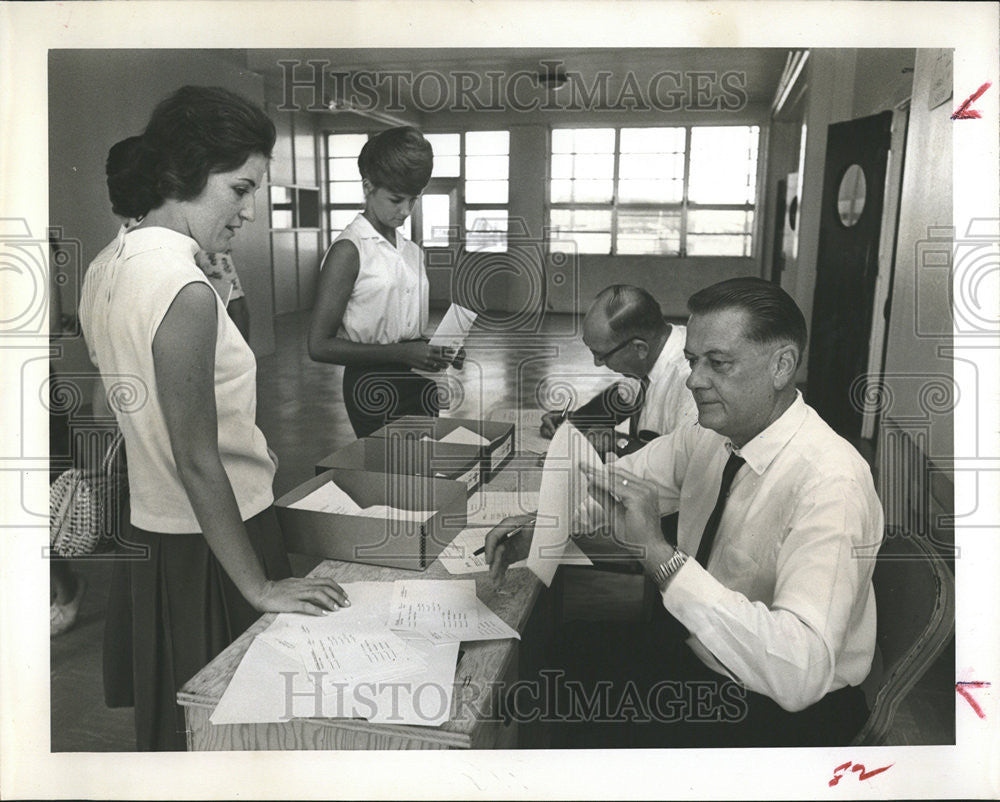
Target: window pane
point(280, 194)
point(655, 232)
point(718, 245)
point(581, 191)
point(581, 243)
point(719, 221)
point(487, 143)
point(486, 191)
point(346, 192)
point(486, 230)
point(344, 170)
point(650, 191)
point(444, 144)
point(445, 166)
point(346, 145)
point(652, 140)
point(281, 218)
point(339, 218)
point(485, 167)
point(652, 165)
point(583, 140)
point(581, 219)
point(723, 164)
point(435, 212)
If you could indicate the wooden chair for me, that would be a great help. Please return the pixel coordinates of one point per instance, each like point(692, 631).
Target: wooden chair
point(915, 603)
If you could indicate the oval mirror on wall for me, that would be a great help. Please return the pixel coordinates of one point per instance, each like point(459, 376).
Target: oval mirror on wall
point(851, 196)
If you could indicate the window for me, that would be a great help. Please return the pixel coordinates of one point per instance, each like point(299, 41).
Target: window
point(479, 163)
point(679, 191)
point(345, 197)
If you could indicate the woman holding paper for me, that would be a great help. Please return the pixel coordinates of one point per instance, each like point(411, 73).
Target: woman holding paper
point(372, 299)
point(206, 554)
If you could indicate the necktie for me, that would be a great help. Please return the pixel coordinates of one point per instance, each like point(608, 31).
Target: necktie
point(712, 526)
point(640, 400)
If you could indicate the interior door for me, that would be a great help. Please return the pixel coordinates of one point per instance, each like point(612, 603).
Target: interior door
point(847, 268)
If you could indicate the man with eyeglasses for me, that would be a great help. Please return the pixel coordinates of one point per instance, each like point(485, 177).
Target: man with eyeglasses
point(625, 330)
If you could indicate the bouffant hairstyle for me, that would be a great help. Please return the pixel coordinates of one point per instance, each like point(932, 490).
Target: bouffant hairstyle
point(397, 159)
point(196, 131)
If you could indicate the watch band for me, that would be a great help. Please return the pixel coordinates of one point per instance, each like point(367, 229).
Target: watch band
point(665, 570)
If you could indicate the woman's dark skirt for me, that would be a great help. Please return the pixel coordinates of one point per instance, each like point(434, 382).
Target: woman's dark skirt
point(374, 397)
point(169, 614)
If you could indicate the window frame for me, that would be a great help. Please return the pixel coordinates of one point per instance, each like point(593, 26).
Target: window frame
point(682, 207)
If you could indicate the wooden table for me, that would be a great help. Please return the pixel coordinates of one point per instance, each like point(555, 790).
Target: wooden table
point(484, 669)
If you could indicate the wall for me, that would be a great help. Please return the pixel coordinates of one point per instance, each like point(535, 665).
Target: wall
point(96, 98)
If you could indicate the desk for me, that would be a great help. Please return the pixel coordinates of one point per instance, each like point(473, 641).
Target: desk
point(484, 667)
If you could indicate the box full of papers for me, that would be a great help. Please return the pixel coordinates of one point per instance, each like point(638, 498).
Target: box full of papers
point(396, 520)
point(493, 439)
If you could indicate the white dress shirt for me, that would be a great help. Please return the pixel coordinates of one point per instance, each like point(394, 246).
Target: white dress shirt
point(786, 605)
point(669, 403)
point(391, 296)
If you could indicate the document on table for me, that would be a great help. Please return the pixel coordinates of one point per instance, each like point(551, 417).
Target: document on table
point(527, 423)
point(438, 610)
point(461, 436)
point(327, 498)
point(493, 507)
point(458, 557)
point(563, 492)
point(271, 684)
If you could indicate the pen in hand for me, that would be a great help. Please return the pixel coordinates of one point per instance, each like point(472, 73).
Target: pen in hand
point(565, 413)
point(504, 539)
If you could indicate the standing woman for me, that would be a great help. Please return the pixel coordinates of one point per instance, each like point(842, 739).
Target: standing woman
point(198, 466)
point(372, 297)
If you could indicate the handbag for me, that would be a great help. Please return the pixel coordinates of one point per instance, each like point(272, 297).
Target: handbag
point(84, 504)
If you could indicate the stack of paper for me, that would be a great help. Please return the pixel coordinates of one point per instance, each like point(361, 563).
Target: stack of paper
point(461, 436)
point(330, 498)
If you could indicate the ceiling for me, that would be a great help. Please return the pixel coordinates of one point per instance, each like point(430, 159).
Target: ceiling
point(415, 82)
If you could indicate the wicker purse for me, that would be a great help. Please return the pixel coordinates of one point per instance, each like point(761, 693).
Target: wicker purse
point(84, 505)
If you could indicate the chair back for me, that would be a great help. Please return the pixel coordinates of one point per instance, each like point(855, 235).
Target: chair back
point(915, 605)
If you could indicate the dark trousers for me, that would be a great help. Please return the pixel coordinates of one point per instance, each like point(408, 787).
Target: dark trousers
point(374, 397)
point(639, 685)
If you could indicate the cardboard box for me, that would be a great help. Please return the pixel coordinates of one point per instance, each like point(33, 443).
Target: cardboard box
point(492, 457)
point(409, 456)
point(376, 541)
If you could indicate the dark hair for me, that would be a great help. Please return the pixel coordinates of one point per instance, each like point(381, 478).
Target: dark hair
point(773, 315)
point(631, 311)
point(397, 159)
point(196, 131)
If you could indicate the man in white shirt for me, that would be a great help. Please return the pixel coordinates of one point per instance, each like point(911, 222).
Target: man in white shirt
point(770, 583)
point(625, 330)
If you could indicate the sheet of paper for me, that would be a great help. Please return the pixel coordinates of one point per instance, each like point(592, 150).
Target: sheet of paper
point(454, 327)
point(490, 508)
point(491, 626)
point(383, 512)
point(343, 651)
point(563, 491)
point(458, 557)
point(327, 498)
point(269, 686)
point(526, 427)
point(465, 437)
point(437, 609)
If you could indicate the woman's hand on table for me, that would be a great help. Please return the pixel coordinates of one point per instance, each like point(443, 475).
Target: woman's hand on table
point(309, 595)
point(502, 550)
point(422, 356)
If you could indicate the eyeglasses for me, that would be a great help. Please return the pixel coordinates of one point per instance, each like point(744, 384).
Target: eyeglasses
point(604, 357)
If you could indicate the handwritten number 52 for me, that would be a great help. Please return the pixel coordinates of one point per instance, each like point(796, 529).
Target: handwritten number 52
point(858, 767)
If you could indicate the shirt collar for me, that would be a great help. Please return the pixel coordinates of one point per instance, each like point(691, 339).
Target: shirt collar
point(761, 451)
point(370, 232)
point(673, 349)
point(149, 238)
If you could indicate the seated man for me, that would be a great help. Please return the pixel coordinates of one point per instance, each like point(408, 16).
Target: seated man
point(625, 330)
point(768, 597)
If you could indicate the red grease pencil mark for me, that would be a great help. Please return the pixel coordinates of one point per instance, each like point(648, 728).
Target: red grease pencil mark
point(962, 688)
point(963, 112)
point(857, 767)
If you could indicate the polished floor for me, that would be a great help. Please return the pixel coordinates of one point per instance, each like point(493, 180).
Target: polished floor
point(300, 411)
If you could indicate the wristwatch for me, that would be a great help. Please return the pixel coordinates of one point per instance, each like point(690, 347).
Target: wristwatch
point(665, 570)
